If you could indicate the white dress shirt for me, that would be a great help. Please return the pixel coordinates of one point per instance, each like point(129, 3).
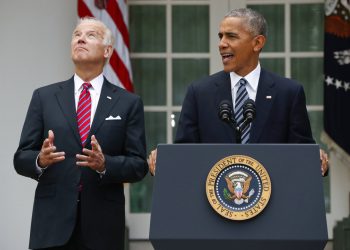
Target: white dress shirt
point(95, 92)
point(252, 85)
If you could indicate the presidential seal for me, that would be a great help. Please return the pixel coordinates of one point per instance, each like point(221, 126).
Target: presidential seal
point(238, 187)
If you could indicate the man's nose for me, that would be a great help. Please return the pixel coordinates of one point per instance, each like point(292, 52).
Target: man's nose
point(222, 43)
point(81, 40)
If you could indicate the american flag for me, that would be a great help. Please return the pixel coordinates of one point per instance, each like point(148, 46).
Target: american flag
point(114, 13)
point(337, 77)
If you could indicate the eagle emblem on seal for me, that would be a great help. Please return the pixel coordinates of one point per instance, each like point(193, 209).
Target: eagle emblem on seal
point(238, 183)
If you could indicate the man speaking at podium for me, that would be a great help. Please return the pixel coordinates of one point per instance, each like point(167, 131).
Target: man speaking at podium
point(277, 104)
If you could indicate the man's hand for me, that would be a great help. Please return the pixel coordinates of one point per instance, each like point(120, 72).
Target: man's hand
point(152, 161)
point(324, 162)
point(93, 158)
point(48, 154)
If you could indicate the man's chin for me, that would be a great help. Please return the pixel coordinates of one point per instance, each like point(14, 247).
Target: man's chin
point(79, 59)
point(227, 68)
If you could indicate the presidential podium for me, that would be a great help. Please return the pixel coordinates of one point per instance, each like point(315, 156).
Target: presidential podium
point(183, 219)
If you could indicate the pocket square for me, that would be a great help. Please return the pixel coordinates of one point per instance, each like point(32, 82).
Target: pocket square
point(110, 118)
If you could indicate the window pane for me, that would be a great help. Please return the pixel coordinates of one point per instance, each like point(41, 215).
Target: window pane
point(316, 120)
point(274, 14)
point(307, 27)
point(190, 30)
point(309, 72)
point(141, 195)
point(186, 71)
point(275, 65)
point(147, 28)
point(155, 125)
point(141, 192)
point(150, 80)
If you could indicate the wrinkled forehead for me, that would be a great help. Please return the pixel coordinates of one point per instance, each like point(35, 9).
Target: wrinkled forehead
point(89, 26)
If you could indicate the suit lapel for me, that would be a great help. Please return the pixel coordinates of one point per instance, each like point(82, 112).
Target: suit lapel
point(223, 92)
point(108, 98)
point(266, 94)
point(66, 101)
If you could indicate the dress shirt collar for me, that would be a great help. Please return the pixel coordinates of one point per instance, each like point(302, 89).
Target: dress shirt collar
point(96, 83)
point(252, 78)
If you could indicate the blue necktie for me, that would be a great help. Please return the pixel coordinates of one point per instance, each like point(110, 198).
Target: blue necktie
point(241, 97)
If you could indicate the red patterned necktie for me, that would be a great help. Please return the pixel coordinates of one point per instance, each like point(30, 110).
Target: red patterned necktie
point(84, 113)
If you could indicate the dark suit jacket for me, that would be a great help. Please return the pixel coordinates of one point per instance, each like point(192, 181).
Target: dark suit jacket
point(281, 119)
point(102, 199)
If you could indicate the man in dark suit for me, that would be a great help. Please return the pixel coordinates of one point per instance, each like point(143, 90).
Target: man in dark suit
point(281, 115)
point(81, 164)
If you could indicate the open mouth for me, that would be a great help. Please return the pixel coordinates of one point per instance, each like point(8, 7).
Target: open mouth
point(226, 57)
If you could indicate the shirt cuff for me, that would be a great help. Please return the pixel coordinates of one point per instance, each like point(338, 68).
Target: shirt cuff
point(101, 173)
point(38, 169)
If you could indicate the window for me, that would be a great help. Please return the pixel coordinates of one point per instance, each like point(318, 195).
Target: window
point(169, 50)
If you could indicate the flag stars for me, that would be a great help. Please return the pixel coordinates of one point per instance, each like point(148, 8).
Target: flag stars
point(329, 80)
point(346, 86)
point(338, 84)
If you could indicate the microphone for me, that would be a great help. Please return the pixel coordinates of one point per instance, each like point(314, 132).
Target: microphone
point(249, 112)
point(226, 115)
point(225, 111)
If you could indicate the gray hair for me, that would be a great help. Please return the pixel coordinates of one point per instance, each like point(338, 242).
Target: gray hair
point(108, 38)
point(255, 22)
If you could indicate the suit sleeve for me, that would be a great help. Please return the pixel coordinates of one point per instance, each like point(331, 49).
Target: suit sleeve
point(31, 140)
point(188, 130)
point(299, 129)
point(132, 165)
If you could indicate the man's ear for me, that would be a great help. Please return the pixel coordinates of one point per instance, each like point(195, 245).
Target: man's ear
point(108, 51)
point(259, 42)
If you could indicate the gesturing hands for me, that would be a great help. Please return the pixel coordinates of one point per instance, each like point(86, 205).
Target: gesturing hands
point(93, 158)
point(48, 154)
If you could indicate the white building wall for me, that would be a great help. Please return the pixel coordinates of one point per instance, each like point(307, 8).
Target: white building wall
point(34, 51)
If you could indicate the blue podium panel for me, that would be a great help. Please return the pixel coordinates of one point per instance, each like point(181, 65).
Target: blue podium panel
point(294, 218)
